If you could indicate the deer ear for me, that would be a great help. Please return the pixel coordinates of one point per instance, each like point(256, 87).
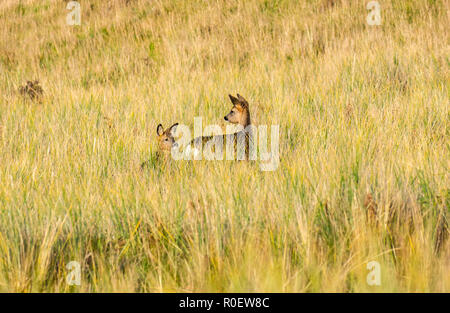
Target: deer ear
point(174, 125)
point(159, 130)
point(234, 100)
point(242, 100)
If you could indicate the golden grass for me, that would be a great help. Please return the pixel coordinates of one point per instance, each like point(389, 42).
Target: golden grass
point(364, 121)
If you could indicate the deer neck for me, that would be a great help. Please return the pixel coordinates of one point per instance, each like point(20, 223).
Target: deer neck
point(245, 120)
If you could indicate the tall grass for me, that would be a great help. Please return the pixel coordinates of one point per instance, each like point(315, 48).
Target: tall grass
point(364, 120)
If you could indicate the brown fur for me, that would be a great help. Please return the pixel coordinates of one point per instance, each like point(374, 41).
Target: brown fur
point(165, 138)
point(239, 114)
point(165, 143)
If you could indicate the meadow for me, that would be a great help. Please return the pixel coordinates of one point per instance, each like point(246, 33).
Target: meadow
point(364, 146)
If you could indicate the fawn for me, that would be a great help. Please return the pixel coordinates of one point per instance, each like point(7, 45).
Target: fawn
point(165, 138)
point(165, 143)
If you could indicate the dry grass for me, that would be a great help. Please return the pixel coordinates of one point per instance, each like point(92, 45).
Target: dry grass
point(32, 90)
point(364, 120)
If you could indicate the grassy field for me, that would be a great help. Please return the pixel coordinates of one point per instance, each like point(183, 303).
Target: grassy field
point(364, 146)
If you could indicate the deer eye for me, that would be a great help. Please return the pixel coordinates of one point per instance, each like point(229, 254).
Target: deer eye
point(167, 139)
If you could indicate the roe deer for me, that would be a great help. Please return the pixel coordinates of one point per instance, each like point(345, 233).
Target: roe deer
point(165, 144)
point(240, 115)
point(165, 138)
